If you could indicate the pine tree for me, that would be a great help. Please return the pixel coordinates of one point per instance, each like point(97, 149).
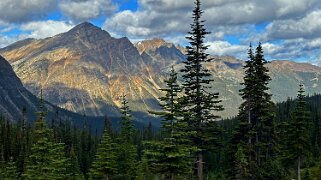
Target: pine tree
point(298, 144)
point(255, 131)
point(127, 129)
point(263, 111)
point(59, 161)
point(170, 156)
point(198, 101)
point(241, 164)
point(73, 169)
point(38, 163)
point(9, 170)
point(243, 134)
point(47, 158)
point(104, 165)
point(23, 144)
point(126, 150)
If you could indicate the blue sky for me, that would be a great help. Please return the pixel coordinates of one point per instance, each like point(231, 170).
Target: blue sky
point(288, 29)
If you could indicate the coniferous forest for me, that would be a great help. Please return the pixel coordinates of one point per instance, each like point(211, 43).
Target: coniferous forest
point(266, 140)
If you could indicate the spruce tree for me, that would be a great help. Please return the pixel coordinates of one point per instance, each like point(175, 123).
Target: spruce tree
point(104, 165)
point(73, 168)
point(255, 131)
point(298, 145)
point(59, 161)
point(242, 140)
point(198, 101)
point(241, 164)
point(126, 150)
point(39, 161)
point(170, 156)
point(263, 111)
point(47, 159)
point(9, 170)
point(23, 145)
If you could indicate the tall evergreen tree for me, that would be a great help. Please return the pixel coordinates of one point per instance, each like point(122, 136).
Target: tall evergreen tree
point(263, 111)
point(73, 168)
point(47, 158)
point(170, 156)
point(23, 145)
point(104, 166)
point(38, 163)
point(126, 150)
point(85, 150)
point(242, 141)
point(59, 161)
point(198, 101)
point(127, 129)
point(298, 145)
point(255, 131)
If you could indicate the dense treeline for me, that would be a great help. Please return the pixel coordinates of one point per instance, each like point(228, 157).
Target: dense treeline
point(56, 149)
point(80, 147)
point(265, 140)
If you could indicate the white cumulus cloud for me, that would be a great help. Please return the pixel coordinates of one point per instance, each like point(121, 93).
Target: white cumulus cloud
point(25, 10)
point(225, 48)
point(83, 10)
point(43, 29)
point(307, 27)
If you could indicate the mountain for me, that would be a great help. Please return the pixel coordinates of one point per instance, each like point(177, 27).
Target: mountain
point(85, 70)
point(14, 98)
point(228, 73)
point(159, 53)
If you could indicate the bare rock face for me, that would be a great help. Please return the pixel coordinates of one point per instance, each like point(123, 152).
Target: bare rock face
point(85, 70)
point(159, 53)
point(12, 92)
point(14, 98)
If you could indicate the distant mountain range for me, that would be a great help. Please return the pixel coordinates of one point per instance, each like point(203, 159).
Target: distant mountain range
point(14, 98)
point(85, 70)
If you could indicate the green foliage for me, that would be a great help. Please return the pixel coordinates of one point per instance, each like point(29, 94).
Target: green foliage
point(59, 161)
point(255, 130)
point(297, 142)
point(8, 170)
point(73, 169)
point(198, 101)
point(171, 155)
point(47, 159)
point(127, 164)
point(127, 128)
point(241, 164)
point(307, 175)
point(126, 151)
point(104, 165)
point(271, 169)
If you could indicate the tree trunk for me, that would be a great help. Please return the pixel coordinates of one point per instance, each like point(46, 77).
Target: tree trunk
point(299, 167)
point(200, 166)
point(172, 177)
point(106, 177)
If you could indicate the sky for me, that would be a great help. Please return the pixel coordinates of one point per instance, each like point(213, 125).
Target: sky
point(288, 29)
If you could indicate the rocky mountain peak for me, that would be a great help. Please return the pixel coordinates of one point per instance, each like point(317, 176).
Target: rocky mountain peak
point(152, 44)
point(85, 26)
point(87, 29)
